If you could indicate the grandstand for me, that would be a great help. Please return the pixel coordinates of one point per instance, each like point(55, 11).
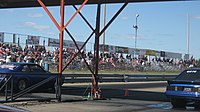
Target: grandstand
point(44, 50)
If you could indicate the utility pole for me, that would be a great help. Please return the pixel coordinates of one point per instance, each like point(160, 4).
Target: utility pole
point(136, 28)
point(188, 35)
point(104, 34)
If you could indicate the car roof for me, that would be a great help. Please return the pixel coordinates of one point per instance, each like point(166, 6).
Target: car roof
point(193, 69)
point(20, 63)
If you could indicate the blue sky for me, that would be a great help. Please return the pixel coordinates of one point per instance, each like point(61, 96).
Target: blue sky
point(162, 25)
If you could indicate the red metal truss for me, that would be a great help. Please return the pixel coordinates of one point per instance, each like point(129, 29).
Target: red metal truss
point(75, 14)
point(61, 29)
point(49, 14)
point(95, 89)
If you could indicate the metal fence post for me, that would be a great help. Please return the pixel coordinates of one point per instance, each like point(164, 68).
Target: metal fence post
point(12, 88)
point(58, 88)
point(6, 91)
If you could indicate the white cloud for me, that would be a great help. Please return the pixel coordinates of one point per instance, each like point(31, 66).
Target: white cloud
point(124, 18)
point(116, 35)
point(35, 26)
point(128, 36)
point(29, 24)
point(197, 17)
point(35, 15)
point(51, 33)
point(166, 35)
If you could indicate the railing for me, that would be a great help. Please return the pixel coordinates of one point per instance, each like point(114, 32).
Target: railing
point(11, 94)
point(84, 78)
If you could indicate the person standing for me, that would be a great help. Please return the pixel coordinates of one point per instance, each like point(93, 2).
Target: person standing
point(8, 57)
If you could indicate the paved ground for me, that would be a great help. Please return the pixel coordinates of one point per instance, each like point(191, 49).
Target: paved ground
point(113, 105)
point(142, 97)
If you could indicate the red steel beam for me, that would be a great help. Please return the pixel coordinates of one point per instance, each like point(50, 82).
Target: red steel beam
point(62, 11)
point(62, 27)
point(49, 14)
point(61, 35)
point(75, 14)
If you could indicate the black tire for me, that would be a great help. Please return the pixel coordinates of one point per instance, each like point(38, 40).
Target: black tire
point(22, 84)
point(178, 103)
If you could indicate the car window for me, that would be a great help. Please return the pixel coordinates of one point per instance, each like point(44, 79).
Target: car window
point(36, 68)
point(25, 68)
point(189, 75)
point(8, 66)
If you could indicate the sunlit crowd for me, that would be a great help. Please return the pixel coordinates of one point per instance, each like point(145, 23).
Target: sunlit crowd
point(39, 55)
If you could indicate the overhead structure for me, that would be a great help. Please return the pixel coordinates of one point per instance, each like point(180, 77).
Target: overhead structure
point(34, 3)
point(63, 27)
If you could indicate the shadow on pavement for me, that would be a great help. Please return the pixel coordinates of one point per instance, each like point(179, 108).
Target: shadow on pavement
point(118, 93)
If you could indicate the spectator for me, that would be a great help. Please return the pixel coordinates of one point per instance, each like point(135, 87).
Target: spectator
point(8, 57)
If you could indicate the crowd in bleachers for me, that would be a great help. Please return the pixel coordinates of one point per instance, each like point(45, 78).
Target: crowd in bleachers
point(39, 55)
point(117, 60)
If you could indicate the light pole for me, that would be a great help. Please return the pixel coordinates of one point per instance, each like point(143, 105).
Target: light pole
point(136, 28)
point(104, 34)
point(188, 35)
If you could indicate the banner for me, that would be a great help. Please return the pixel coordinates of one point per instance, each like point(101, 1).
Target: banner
point(173, 55)
point(111, 48)
point(70, 44)
point(150, 52)
point(132, 51)
point(66, 44)
point(53, 42)
point(1, 37)
point(142, 52)
point(186, 56)
point(137, 51)
point(121, 49)
point(162, 53)
point(106, 48)
point(33, 40)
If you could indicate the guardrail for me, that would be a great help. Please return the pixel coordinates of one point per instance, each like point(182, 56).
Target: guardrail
point(84, 78)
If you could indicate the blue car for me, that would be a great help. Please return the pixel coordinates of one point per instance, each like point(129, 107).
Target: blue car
point(26, 75)
point(185, 88)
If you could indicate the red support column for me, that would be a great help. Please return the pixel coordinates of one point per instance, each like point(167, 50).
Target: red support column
point(61, 34)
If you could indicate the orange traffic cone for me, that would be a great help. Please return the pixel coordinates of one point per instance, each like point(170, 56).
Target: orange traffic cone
point(126, 92)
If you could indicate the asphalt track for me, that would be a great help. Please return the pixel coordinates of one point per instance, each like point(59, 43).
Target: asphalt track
point(120, 97)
